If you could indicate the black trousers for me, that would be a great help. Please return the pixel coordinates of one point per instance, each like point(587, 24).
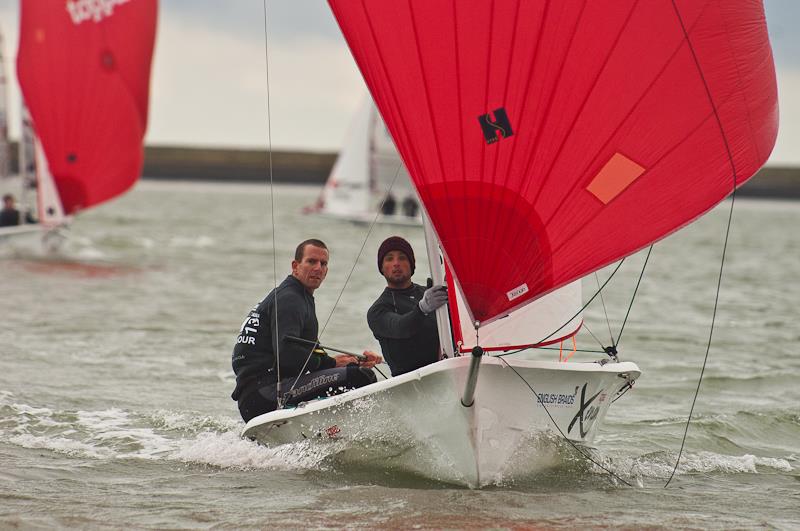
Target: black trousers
point(262, 396)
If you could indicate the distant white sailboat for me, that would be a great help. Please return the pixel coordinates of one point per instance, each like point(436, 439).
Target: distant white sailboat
point(368, 181)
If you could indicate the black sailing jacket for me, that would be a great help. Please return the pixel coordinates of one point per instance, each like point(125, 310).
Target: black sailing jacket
point(254, 354)
point(409, 338)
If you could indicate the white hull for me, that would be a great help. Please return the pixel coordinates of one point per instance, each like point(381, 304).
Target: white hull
point(421, 414)
point(35, 239)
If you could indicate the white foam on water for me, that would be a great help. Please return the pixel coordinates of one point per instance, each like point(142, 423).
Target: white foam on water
point(207, 440)
point(711, 462)
point(173, 420)
point(228, 450)
point(199, 242)
point(659, 466)
point(89, 254)
point(162, 435)
point(61, 445)
point(113, 428)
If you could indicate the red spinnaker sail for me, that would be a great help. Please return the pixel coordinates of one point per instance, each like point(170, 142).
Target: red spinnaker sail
point(84, 69)
point(548, 139)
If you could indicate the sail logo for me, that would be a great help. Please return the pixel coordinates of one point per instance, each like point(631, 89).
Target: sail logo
point(519, 291)
point(95, 10)
point(494, 129)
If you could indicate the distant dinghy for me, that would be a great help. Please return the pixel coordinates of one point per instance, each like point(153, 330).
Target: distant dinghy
point(368, 182)
point(84, 71)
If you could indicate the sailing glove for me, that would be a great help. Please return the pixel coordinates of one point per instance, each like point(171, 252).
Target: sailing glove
point(433, 298)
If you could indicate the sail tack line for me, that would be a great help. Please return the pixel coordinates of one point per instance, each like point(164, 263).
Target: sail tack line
point(727, 230)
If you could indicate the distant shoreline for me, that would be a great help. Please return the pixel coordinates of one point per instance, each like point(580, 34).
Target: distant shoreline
point(299, 167)
point(312, 168)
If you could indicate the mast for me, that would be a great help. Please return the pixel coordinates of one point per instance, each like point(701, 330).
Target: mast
point(4, 143)
point(51, 209)
point(437, 274)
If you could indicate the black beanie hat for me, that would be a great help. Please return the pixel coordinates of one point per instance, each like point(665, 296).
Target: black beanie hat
point(395, 243)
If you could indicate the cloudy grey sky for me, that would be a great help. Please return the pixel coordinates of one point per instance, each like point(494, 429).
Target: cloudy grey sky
point(209, 79)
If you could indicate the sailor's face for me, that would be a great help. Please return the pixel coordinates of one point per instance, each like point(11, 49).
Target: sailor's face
point(396, 268)
point(312, 269)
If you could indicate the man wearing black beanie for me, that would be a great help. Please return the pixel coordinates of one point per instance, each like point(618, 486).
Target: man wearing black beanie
point(403, 319)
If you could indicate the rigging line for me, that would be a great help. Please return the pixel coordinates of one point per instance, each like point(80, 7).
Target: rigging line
point(557, 330)
point(636, 289)
point(727, 229)
point(594, 336)
point(363, 244)
point(272, 210)
point(575, 446)
point(603, 301)
point(554, 348)
point(531, 347)
point(708, 346)
point(350, 274)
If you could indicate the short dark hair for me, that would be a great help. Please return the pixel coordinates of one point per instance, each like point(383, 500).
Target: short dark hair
point(7, 197)
point(301, 249)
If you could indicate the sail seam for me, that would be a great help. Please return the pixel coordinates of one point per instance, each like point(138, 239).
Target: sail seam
point(495, 224)
point(548, 109)
point(430, 108)
point(621, 123)
point(548, 173)
point(466, 214)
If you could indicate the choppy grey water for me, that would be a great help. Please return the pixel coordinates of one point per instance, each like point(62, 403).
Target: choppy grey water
point(115, 380)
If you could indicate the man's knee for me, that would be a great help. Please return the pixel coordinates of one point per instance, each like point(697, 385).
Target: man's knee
point(359, 376)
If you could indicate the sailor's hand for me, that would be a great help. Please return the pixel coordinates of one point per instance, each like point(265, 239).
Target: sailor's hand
point(345, 360)
point(372, 359)
point(433, 298)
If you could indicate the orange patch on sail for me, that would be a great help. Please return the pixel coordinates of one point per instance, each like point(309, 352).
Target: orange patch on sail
point(614, 177)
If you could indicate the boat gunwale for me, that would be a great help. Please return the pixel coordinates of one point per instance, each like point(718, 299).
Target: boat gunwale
point(430, 370)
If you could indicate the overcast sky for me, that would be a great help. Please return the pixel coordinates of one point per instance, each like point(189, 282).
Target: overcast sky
point(209, 84)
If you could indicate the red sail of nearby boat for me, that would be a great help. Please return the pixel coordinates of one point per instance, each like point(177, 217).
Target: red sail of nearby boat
point(548, 139)
point(84, 70)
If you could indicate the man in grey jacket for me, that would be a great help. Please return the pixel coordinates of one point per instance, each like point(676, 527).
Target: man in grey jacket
point(403, 319)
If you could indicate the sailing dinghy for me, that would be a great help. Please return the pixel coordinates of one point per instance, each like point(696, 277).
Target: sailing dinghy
point(25, 234)
point(84, 71)
point(546, 140)
point(368, 182)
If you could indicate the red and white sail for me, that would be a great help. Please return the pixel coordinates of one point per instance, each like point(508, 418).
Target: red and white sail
point(549, 139)
point(84, 70)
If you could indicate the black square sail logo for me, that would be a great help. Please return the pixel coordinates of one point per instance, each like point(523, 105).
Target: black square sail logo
point(494, 129)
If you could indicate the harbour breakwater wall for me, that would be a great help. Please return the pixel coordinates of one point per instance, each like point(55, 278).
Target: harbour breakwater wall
point(312, 168)
point(242, 165)
point(236, 165)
